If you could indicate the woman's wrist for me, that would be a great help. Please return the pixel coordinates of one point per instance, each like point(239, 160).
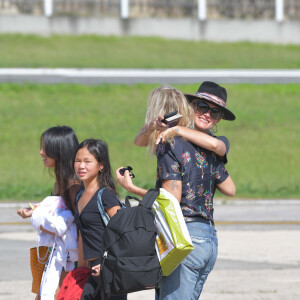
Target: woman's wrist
point(176, 129)
point(149, 127)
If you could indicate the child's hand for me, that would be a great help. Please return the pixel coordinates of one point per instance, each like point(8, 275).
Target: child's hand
point(96, 270)
point(24, 212)
point(164, 135)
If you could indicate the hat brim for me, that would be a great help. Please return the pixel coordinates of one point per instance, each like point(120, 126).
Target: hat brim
point(228, 115)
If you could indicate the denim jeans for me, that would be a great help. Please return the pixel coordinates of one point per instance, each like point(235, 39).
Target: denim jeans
point(187, 280)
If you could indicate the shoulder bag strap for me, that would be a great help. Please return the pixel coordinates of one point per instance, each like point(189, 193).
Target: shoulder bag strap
point(149, 198)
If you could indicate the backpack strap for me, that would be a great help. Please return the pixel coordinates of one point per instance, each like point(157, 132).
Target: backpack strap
point(127, 200)
point(149, 198)
point(78, 195)
point(105, 217)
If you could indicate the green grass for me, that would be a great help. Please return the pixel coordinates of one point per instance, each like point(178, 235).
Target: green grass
point(263, 158)
point(137, 52)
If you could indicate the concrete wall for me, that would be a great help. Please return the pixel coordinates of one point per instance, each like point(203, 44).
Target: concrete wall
point(187, 29)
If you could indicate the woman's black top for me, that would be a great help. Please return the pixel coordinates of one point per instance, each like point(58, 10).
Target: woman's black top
point(91, 225)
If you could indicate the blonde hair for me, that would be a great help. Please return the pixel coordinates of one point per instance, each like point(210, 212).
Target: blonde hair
point(163, 100)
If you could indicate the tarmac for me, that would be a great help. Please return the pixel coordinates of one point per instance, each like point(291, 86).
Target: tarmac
point(259, 252)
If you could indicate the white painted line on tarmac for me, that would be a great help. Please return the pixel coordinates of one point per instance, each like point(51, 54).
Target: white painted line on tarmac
point(217, 202)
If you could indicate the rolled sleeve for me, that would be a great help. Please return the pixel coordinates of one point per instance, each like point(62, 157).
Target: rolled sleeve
point(221, 173)
point(168, 163)
point(227, 146)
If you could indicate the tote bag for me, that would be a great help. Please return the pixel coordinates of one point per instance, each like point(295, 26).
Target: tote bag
point(173, 241)
point(37, 265)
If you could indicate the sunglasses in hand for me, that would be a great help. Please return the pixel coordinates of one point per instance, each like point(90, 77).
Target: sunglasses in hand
point(129, 169)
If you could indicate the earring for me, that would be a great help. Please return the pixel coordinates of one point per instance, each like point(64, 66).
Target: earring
point(101, 171)
point(215, 129)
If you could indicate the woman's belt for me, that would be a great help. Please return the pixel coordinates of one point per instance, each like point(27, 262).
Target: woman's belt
point(199, 219)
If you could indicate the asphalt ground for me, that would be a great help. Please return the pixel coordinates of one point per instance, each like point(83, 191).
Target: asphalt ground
point(259, 252)
point(157, 76)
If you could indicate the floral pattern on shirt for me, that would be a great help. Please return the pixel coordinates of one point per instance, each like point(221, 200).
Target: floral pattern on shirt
point(161, 148)
point(199, 174)
point(201, 159)
point(186, 157)
point(208, 200)
point(175, 166)
point(200, 189)
point(190, 193)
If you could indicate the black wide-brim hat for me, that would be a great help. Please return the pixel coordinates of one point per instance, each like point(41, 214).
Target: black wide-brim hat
point(215, 94)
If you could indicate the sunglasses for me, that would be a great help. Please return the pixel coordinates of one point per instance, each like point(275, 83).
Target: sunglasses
point(202, 107)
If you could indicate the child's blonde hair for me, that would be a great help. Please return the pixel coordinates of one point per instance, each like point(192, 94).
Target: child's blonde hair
point(163, 100)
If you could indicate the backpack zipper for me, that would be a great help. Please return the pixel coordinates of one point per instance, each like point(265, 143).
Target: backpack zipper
point(104, 257)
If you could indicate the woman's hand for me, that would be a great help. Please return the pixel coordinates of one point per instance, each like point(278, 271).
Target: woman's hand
point(96, 270)
point(157, 124)
point(24, 212)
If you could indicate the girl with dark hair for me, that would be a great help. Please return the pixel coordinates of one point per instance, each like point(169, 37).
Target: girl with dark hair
point(59, 144)
point(57, 148)
point(92, 166)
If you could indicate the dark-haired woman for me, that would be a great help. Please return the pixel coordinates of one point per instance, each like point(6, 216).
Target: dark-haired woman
point(92, 166)
point(57, 148)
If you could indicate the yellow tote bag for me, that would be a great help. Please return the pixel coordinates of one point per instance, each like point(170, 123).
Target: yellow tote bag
point(173, 242)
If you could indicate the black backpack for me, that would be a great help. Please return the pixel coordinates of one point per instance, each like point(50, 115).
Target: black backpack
point(130, 262)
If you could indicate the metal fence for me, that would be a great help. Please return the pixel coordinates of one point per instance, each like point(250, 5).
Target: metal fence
point(203, 9)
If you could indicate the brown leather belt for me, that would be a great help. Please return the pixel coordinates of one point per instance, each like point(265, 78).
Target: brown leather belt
point(199, 219)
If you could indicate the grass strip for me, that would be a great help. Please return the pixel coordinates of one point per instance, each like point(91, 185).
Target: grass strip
point(263, 158)
point(89, 51)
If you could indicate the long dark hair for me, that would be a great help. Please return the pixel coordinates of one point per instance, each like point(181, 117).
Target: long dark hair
point(99, 149)
point(60, 143)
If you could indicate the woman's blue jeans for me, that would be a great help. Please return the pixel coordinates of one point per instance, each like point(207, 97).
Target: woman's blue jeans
point(187, 280)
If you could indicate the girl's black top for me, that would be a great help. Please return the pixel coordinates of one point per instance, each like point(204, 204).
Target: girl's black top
point(91, 225)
